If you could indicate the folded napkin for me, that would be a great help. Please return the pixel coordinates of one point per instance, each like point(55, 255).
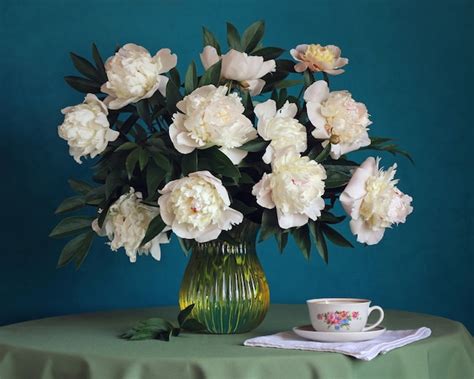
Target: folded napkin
point(365, 350)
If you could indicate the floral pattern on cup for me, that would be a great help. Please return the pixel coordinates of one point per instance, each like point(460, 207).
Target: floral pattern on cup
point(338, 319)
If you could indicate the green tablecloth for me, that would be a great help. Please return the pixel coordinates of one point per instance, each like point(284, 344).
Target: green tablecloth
point(86, 346)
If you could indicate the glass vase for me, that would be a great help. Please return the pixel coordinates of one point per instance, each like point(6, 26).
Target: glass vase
point(226, 284)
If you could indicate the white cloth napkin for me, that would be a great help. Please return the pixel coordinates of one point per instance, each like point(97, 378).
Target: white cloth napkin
point(364, 350)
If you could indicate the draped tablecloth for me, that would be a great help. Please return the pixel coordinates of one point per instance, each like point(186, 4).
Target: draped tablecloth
point(86, 346)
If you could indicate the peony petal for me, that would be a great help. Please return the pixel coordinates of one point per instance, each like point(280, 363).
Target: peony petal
point(183, 231)
point(317, 92)
point(209, 57)
point(166, 215)
point(268, 156)
point(365, 234)
point(287, 110)
point(266, 67)
point(208, 235)
point(165, 60)
point(162, 82)
point(208, 177)
point(255, 86)
point(265, 110)
point(155, 249)
point(262, 191)
point(287, 221)
point(181, 141)
point(235, 66)
point(230, 217)
point(301, 67)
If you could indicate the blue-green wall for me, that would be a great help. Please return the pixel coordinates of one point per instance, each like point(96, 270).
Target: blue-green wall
point(410, 62)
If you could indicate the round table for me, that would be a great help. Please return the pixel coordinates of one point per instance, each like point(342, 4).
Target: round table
point(86, 346)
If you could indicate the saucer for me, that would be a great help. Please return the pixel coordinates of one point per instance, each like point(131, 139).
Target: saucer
point(307, 331)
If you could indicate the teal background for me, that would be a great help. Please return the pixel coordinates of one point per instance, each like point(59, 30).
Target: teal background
point(410, 63)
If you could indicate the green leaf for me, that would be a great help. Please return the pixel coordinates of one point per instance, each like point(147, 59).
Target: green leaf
point(336, 179)
point(335, 237)
point(172, 97)
point(302, 239)
point(285, 65)
point(184, 314)
point(155, 227)
point(143, 111)
point(308, 78)
point(79, 186)
point(329, 218)
point(191, 79)
point(71, 204)
point(193, 325)
point(321, 245)
point(189, 162)
point(161, 161)
point(257, 144)
point(269, 224)
point(143, 158)
point(282, 240)
point(153, 178)
point(242, 207)
point(323, 154)
point(129, 123)
point(76, 249)
point(126, 146)
point(82, 85)
point(233, 37)
point(269, 52)
point(212, 75)
point(174, 76)
point(210, 40)
point(71, 225)
point(131, 162)
point(186, 245)
point(288, 83)
point(252, 36)
point(217, 162)
point(112, 181)
point(85, 67)
point(99, 63)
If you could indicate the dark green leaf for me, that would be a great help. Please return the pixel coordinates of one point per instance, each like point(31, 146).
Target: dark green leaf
point(212, 75)
point(156, 226)
point(143, 158)
point(79, 186)
point(321, 245)
point(323, 154)
point(258, 144)
point(335, 237)
point(82, 85)
point(285, 65)
point(161, 161)
point(112, 181)
point(174, 76)
point(302, 239)
point(193, 325)
point(210, 40)
point(288, 83)
point(191, 79)
point(269, 224)
point(216, 161)
point(71, 225)
point(85, 67)
point(227, 237)
point(129, 123)
point(329, 218)
point(96, 195)
point(186, 244)
point(153, 178)
point(71, 204)
point(77, 249)
point(189, 162)
point(282, 240)
point(233, 37)
point(242, 207)
point(131, 162)
point(336, 179)
point(172, 96)
point(252, 36)
point(184, 314)
point(126, 146)
point(308, 78)
point(269, 52)
point(99, 63)
point(143, 111)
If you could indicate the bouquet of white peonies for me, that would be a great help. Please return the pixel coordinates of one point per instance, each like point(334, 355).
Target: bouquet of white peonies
point(253, 138)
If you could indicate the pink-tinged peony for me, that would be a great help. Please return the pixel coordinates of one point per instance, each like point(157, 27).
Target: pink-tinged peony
point(294, 187)
point(197, 207)
point(374, 202)
point(133, 74)
point(337, 119)
point(241, 67)
point(319, 58)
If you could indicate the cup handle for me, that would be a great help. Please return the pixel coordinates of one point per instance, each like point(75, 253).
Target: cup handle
point(374, 308)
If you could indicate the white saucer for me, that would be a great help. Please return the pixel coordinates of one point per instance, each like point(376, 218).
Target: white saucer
point(307, 331)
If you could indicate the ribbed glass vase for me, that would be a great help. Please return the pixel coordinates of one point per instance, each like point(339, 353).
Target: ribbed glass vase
point(226, 284)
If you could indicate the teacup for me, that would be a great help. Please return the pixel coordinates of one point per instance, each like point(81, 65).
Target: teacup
point(342, 315)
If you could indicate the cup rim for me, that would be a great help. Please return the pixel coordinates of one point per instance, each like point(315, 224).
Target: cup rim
point(337, 300)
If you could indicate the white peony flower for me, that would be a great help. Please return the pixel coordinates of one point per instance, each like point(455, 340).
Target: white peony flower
point(197, 207)
point(295, 187)
point(211, 117)
point(374, 202)
point(126, 224)
point(338, 119)
point(319, 58)
point(133, 74)
point(86, 128)
point(241, 67)
point(280, 127)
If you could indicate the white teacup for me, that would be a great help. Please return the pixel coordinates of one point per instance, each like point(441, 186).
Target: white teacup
point(342, 315)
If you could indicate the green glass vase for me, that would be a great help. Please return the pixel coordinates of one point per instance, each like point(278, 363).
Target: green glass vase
point(226, 284)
